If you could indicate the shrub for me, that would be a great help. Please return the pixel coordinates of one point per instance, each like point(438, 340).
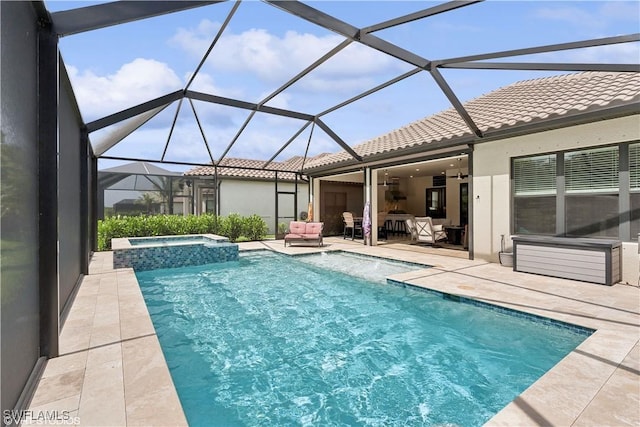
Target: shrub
point(234, 227)
point(282, 228)
point(255, 228)
point(212, 223)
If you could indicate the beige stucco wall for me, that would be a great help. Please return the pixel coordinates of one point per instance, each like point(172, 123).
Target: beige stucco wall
point(258, 197)
point(491, 187)
point(416, 195)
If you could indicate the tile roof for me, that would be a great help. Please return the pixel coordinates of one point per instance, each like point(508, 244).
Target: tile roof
point(249, 168)
point(520, 103)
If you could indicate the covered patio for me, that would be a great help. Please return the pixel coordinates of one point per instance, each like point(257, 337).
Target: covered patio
point(437, 188)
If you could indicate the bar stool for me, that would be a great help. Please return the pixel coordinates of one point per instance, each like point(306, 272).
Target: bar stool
point(388, 226)
point(400, 227)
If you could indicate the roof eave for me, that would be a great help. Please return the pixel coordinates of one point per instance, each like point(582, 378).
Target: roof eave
point(566, 120)
point(428, 148)
point(221, 177)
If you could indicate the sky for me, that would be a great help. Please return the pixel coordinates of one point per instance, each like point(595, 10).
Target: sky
point(263, 47)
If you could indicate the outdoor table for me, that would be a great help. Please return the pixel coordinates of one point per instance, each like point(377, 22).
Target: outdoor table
point(454, 234)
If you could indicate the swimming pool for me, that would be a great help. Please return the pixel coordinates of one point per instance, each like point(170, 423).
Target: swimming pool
point(276, 340)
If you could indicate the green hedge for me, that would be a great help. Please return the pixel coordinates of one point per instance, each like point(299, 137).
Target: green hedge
point(234, 226)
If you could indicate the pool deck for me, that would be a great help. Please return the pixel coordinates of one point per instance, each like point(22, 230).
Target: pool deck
point(111, 370)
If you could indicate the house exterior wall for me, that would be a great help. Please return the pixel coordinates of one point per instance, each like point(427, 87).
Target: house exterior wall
point(258, 197)
point(491, 196)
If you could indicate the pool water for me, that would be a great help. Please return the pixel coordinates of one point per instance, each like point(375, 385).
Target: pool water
point(370, 268)
point(170, 240)
point(274, 340)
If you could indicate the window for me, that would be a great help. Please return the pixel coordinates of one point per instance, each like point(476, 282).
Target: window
point(208, 199)
point(578, 193)
point(535, 195)
point(464, 203)
point(634, 189)
point(592, 215)
point(591, 171)
point(436, 202)
point(535, 175)
point(535, 215)
point(591, 205)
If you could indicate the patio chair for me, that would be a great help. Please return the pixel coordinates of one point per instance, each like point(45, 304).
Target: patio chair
point(411, 228)
point(429, 233)
point(351, 225)
point(382, 229)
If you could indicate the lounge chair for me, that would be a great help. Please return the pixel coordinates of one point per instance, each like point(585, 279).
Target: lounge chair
point(305, 232)
point(428, 232)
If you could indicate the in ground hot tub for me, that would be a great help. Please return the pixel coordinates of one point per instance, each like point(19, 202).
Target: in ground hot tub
point(149, 253)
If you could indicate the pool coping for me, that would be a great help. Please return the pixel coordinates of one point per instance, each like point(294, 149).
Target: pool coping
point(124, 243)
point(596, 384)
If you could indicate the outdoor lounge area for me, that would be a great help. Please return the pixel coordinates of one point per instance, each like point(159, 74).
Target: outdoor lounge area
point(488, 165)
point(304, 232)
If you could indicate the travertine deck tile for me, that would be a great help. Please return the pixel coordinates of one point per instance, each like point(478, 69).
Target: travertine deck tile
point(605, 408)
point(57, 387)
point(151, 398)
point(88, 379)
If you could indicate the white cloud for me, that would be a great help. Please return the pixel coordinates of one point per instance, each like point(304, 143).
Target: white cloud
point(135, 82)
point(187, 145)
point(571, 15)
point(609, 14)
point(197, 40)
point(279, 101)
point(620, 10)
point(627, 53)
point(274, 59)
point(205, 83)
point(597, 23)
point(336, 86)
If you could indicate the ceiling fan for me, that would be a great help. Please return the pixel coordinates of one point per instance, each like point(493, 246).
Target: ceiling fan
point(459, 175)
point(388, 181)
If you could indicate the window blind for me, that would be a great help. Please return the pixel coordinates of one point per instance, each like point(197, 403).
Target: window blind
point(634, 167)
point(591, 170)
point(535, 175)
